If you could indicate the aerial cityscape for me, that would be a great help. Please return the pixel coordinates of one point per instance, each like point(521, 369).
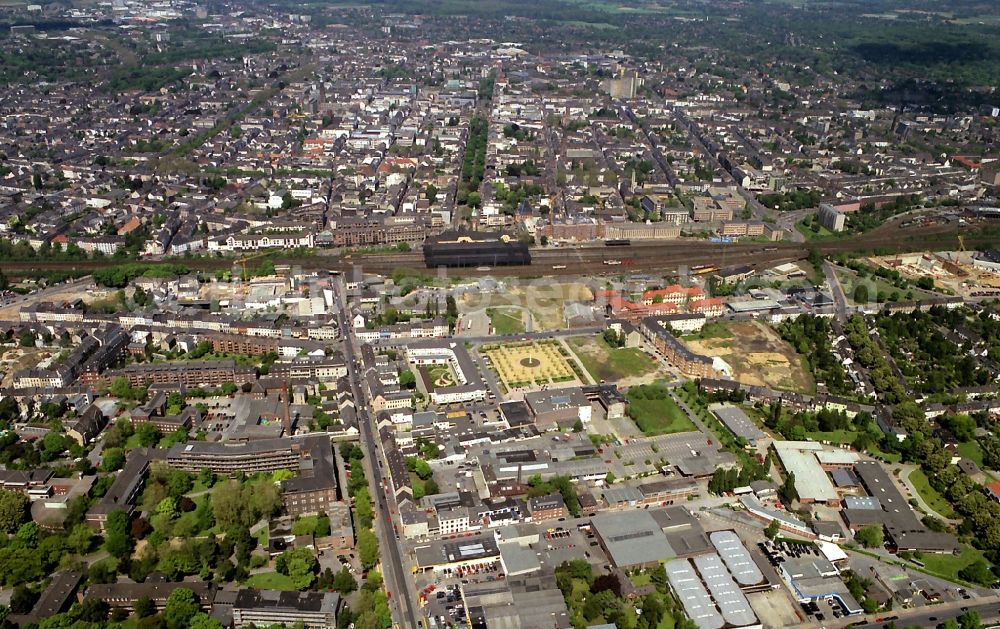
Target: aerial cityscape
point(497, 314)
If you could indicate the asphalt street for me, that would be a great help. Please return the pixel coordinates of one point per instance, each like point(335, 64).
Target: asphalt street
point(394, 571)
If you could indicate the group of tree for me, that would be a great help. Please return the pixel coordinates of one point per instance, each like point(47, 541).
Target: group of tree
point(182, 611)
point(528, 168)
point(407, 379)
point(516, 132)
point(513, 196)
point(473, 163)
point(562, 485)
point(810, 336)
point(299, 565)
point(244, 504)
point(787, 491)
point(929, 360)
point(869, 216)
point(614, 338)
point(870, 356)
point(120, 275)
point(725, 480)
point(357, 484)
point(859, 588)
point(122, 389)
point(796, 426)
point(591, 598)
point(370, 607)
point(792, 200)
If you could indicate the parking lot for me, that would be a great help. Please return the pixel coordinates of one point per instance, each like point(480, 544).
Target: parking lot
point(778, 552)
point(443, 604)
point(668, 447)
point(566, 543)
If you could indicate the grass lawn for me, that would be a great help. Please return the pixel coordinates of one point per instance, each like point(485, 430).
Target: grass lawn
point(442, 373)
point(849, 280)
point(971, 450)
point(505, 321)
point(270, 581)
point(261, 537)
point(641, 579)
point(948, 565)
point(930, 495)
point(658, 416)
point(198, 486)
point(822, 234)
point(305, 525)
point(891, 457)
point(712, 330)
point(611, 364)
point(836, 436)
point(415, 483)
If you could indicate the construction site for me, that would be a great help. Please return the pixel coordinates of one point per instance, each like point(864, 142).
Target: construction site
point(967, 274)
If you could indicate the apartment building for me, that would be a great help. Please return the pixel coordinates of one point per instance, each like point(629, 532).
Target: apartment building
point(265, 608)
point(188, 373)
point(657, 332)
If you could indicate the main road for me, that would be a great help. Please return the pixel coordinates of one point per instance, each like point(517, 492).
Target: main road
point(394, 571)
point(988, 609)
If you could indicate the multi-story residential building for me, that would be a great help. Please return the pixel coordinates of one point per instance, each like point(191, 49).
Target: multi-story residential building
point(454, 520)
point(314, 490)
point(266, 455)
point(189, 373)
point(549, 507)
point(325, 369)
point(657, 333)
point(126, 487)
point(126, 595)
point(264, 608)
point(241, 344)
point(254, 242)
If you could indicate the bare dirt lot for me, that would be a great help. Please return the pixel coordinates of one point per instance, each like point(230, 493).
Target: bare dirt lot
point(79, 289)
point(624, 366)
point(757, 355)
point(544, 300)
point(15, 359)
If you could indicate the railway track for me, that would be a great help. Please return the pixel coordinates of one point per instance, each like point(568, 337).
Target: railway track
point(646, 256)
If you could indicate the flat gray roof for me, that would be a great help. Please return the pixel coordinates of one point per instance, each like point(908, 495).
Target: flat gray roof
point(844, 478)
point(811, 481)
point(737, 422)
point(445, 552)
point(862, 502)
point(517, 559)
point(632, 538)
